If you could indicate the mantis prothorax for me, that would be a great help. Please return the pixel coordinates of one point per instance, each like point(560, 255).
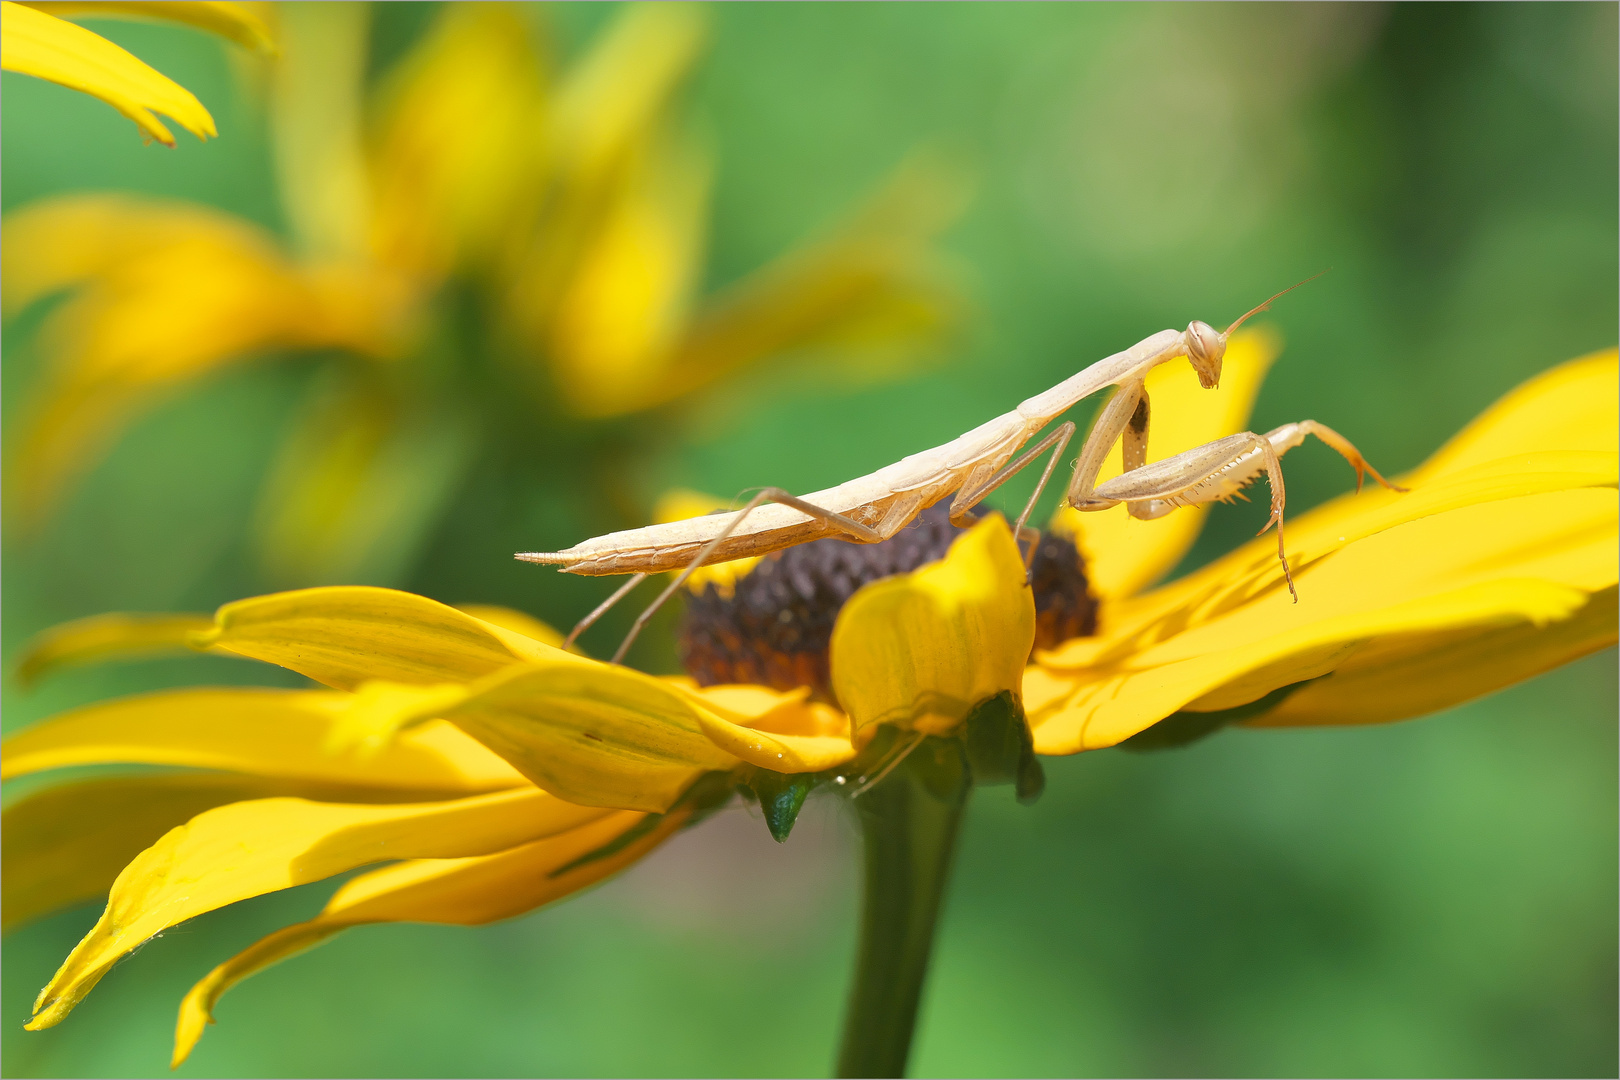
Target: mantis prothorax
point(874, 507)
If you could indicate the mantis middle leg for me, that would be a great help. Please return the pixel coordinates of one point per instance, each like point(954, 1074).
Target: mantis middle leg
point(968, 498)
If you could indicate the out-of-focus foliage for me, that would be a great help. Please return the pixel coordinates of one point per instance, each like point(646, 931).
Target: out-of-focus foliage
point(1431, 898)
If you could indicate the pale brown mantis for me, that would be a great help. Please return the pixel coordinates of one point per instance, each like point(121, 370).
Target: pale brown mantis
point(874, 507)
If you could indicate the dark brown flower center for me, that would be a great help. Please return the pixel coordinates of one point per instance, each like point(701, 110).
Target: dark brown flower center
point(775, 626)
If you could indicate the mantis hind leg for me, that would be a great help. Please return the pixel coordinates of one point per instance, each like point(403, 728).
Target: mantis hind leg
point(839, 521)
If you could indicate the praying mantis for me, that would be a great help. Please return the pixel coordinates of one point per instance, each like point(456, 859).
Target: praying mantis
point(874, 507)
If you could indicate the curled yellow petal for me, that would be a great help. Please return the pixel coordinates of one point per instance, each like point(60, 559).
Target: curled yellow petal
point(462, 892)
point(923, 648)
point(244, 23)
point(344, 635)
point(34, 43)
point(257, 732)
point(1124, 555)
point(783, 732)
point(247, 849)
point(107, 637)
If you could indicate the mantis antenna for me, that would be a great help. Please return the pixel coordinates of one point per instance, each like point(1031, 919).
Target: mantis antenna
point(1230, 330)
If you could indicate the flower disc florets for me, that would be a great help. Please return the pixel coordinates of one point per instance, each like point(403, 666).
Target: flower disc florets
point(774, 625)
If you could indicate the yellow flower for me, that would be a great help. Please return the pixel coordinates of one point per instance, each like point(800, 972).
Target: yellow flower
point(34, 41)
point(593, 765)
point(575, 208)
point(503, 772)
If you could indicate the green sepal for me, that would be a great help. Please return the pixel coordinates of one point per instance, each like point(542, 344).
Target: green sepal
point(781, 796)
point(999, 748)
point(941, 766)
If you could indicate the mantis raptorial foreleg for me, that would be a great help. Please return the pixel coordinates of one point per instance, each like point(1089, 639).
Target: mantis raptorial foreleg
point(1219, 470)
point(771, 494)
point(1112, 422)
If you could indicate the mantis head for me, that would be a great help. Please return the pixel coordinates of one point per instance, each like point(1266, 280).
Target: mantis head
point(1205, 348)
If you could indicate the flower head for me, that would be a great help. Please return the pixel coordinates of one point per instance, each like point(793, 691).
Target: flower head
point(501, 772)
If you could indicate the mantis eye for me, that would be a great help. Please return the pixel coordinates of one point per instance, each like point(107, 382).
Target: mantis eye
point(1205, 349)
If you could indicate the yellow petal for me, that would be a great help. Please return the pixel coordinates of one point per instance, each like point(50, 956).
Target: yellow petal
point(107, 637)
point(1572, 407)
point(460, 144)
point(373, 716)
point(1398, 678)
point(618, 317)
point(593, 733)
point(683, 503)
point(244, 23)
point(65, 845)
point(160, 302)
point(359, 483)
point(615, 95)
point(519, 622)
point(346, 635)
point(251, 848)
point(46, 47)
point(783, 732)
point(316, 87)
point(873, 292)
point(921, 649)
point(267, 733)
point(1253, 570)
point(1107, 706)
point(462, 892)
point(1404, 591)
point(1124, 555)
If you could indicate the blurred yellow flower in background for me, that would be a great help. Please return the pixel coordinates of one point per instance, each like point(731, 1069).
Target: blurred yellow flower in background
point(504, 773)
point(569, 212)
point(34, 40)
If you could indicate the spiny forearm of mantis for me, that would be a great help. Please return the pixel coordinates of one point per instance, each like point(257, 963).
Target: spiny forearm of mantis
point(874, 507)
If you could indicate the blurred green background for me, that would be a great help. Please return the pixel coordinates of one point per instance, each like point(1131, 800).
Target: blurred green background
point(1434, 898)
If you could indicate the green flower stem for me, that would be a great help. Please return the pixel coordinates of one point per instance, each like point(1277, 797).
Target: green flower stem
point(910, 821)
